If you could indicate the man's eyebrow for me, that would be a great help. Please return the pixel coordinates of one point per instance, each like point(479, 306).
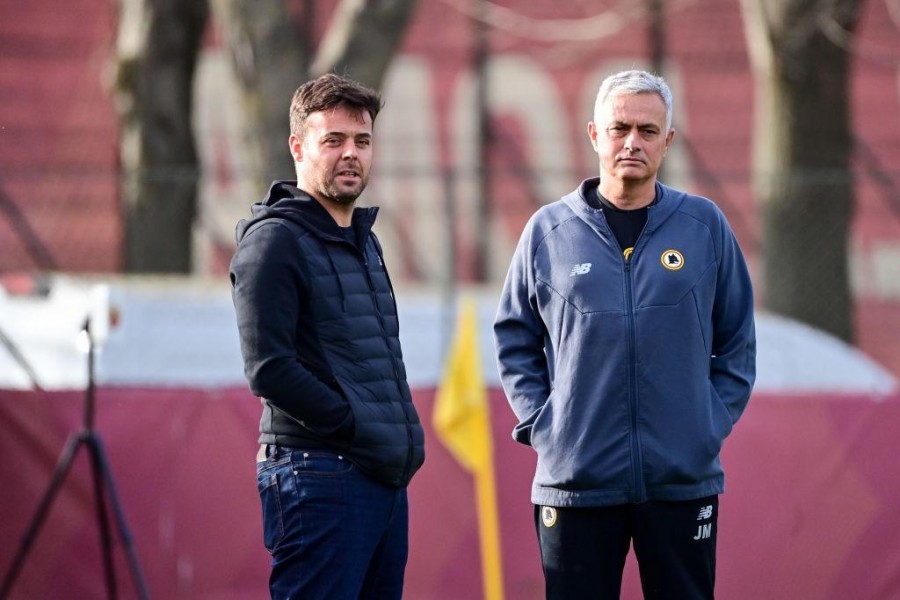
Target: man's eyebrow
point(646, 125)
point(346, 134)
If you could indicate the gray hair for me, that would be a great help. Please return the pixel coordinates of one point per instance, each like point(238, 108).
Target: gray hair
point(635, 82)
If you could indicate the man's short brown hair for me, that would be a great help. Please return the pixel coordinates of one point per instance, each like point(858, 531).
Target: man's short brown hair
point(330, 91)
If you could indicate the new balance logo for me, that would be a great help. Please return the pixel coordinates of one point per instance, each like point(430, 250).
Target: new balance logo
point(704, 531)
point(580, 269)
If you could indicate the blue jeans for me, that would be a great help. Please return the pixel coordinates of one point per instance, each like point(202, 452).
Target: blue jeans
point(333, 533)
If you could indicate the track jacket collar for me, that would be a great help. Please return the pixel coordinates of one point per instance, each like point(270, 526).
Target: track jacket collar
point(668, 201)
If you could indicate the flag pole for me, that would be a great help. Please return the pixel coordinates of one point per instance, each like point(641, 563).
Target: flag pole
point(462, 422)
point(489, 530)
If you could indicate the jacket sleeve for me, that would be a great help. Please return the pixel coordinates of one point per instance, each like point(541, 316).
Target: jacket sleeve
point(733, 365)
point(519, 340)
point(267, 286)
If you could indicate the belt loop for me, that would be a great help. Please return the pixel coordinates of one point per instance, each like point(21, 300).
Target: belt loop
point(272, 451)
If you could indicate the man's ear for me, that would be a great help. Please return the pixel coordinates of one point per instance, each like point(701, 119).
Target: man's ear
point(592, 133)
point(295, 143)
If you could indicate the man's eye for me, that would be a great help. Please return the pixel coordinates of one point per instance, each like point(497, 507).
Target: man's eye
point(364, 143)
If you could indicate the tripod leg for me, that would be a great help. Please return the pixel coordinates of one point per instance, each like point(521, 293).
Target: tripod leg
point(103, 465)
point(59, 475)
point(109, 567)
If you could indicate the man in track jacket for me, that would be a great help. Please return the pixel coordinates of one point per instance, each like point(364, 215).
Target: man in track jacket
point(340, 437)
point(626, 345)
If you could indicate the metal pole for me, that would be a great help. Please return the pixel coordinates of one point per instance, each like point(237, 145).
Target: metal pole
point(656, 42)
point(656, 31)
point(484, 135)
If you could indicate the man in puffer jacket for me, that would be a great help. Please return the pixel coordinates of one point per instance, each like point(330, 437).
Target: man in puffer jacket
point(340, 437)
point(627, 349)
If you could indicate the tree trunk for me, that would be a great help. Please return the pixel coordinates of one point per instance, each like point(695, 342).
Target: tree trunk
point(271, 44)
point(800, 50)
point(271, 58)
point(272, 51)
point(158, 46)
point(363, 38)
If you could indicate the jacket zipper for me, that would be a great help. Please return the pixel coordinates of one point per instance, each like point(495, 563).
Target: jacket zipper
point(636, 459)
point(374, 293)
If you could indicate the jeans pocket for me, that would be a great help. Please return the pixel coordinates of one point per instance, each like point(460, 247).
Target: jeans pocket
point(272, 516)
point(321, 464)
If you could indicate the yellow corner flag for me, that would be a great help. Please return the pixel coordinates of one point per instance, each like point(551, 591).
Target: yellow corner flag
point(462, 422)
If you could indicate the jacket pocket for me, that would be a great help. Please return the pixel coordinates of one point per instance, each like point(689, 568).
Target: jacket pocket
point(540, 422)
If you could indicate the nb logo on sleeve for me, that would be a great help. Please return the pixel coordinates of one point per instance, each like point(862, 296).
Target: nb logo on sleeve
point(580, 269)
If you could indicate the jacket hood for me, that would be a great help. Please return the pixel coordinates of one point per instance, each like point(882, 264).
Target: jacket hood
point(286, 201)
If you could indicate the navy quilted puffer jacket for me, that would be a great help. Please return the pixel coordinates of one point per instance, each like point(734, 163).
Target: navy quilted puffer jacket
point(320, 336)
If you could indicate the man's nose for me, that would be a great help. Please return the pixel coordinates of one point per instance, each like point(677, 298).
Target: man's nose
point(632, 141)
point(349, 149)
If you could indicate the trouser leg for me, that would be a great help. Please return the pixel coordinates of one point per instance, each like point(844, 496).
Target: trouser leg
point(384, 579)
point(675, 545)
point(327, 525)
point(583, 551)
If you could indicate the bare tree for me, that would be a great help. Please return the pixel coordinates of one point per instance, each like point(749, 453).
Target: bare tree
point(271, 43)
point(158, 44)
point(800, 51)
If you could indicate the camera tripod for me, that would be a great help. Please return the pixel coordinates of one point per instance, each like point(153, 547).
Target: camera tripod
point(103, 486)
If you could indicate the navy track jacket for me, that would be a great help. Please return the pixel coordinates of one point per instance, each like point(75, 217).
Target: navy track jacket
point(626, 376)
point(320, 336)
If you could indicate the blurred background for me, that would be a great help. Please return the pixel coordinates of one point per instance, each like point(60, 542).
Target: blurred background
point(135, 134)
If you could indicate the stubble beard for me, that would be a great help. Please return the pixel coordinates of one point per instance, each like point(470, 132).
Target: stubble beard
point(341, 196)
point(329, 189)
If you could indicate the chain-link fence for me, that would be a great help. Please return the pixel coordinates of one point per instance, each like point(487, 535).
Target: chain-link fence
point(454, 193)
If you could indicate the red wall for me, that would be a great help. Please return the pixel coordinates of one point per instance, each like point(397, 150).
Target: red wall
point(810, 509)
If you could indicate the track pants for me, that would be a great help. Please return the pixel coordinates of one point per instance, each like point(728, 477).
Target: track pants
point(583, 550)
